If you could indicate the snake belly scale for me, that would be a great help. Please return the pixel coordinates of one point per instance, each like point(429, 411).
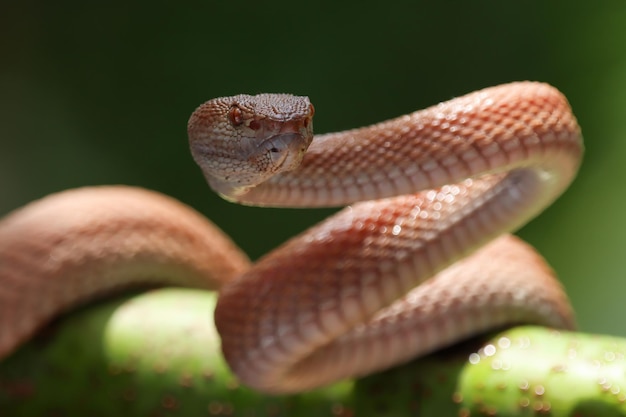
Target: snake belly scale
point(418, 259)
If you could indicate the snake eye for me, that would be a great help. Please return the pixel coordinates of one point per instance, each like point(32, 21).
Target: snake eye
point(311, 110)
point(235, 115)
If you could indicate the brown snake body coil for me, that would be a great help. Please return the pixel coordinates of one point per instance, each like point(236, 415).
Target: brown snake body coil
point(343, 298)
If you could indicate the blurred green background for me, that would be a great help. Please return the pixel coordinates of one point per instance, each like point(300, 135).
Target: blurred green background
point(100, 94)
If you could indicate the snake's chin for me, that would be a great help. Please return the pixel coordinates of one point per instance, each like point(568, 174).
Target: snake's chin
point(227, 190)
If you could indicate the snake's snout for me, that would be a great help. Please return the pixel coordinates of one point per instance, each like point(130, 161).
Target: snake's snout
point(286, 150)
point(285, 143)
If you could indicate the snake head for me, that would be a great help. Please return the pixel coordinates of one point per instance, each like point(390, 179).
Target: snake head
point(241, 141)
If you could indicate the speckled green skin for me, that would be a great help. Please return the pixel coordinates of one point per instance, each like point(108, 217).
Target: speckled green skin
point(157, 355)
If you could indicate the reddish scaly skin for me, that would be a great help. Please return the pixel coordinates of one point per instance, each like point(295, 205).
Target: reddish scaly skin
point(314, 310)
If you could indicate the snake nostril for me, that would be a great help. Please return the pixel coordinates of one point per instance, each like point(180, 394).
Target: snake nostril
point(254, 125)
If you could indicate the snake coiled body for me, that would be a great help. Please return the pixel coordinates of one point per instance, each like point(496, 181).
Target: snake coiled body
point(429, 197)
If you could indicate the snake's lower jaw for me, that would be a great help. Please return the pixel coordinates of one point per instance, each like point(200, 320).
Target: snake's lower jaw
point(279, 153)
point(226, 190)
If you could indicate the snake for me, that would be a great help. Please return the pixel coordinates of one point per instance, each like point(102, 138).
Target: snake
point(419, 258)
